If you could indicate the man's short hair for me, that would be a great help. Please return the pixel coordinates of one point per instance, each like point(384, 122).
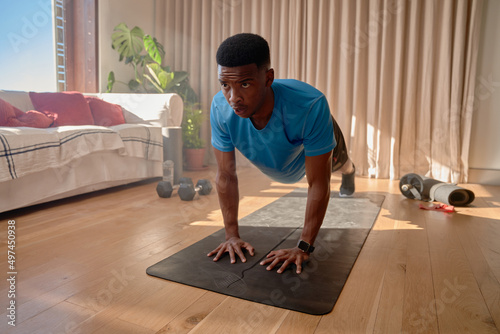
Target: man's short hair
point(243, 49)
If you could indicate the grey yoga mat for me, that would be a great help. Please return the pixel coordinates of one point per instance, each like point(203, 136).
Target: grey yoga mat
point(278, 225)
point(414, 186)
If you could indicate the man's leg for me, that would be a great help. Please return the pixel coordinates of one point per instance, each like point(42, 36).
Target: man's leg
point(341, 162)
point(347, 187)
point(347, 168)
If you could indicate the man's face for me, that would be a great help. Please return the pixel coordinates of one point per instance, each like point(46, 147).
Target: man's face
point(244, 87)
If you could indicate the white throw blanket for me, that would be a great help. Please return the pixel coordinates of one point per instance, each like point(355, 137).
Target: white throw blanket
point(28, 150)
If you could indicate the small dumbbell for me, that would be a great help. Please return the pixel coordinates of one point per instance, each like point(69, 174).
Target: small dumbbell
point(165, 188)
point(188, 191)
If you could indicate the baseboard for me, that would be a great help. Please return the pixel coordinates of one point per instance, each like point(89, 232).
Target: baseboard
point(484, 176)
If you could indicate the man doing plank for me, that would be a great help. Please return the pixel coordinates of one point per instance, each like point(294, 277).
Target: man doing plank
point(284, 127)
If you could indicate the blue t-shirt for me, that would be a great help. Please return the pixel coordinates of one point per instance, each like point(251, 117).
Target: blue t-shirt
point(300, 125)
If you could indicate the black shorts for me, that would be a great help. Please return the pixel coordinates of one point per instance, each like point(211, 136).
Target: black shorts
point(339, 153)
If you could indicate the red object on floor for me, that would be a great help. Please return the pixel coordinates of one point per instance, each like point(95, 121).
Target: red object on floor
point(438, 207)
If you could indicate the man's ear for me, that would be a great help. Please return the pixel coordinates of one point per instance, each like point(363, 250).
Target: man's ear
point(269, 77)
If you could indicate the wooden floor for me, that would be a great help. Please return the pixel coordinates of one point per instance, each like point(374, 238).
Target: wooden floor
point(81, 266)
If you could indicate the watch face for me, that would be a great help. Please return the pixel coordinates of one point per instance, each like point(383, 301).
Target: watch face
point(304, 246)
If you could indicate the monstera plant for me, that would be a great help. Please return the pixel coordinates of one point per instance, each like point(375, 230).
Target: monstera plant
point(145, 54)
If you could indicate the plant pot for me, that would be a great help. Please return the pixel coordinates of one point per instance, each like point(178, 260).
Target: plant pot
point(194, 158)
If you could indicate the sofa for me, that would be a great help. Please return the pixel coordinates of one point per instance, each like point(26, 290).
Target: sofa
point(53, 145)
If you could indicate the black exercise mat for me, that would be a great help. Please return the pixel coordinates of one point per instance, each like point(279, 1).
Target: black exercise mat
point(278, 225)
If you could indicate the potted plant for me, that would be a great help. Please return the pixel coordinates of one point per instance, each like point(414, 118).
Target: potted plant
point(145, 54)
point(194, 145)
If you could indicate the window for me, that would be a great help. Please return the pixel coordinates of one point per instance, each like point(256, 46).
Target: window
point(27, 44)
point(48, 45)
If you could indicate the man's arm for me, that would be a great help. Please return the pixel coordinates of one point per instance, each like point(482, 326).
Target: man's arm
point(318, 172)
point(226, 183)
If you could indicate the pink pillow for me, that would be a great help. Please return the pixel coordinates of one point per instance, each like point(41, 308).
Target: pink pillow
point(14, 117)
point(67, 108)
point(31, 118)
point(105, 113)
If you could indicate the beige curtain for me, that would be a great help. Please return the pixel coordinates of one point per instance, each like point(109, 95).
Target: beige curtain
point(399, 75)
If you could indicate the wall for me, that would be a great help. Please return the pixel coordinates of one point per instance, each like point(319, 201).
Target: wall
point(112, 12)
point(484, 156)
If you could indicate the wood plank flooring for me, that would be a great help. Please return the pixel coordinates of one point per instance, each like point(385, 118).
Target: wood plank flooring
point(81, 266)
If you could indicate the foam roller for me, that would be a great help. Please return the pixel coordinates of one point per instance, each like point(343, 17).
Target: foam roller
point(424, 188)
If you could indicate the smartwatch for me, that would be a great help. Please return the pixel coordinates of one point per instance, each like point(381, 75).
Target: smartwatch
point(305, 246)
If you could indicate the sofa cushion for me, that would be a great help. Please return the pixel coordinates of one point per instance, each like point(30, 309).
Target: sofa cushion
point(105, 113)
point(14, 117)
point(67, 108)
point(32, 119)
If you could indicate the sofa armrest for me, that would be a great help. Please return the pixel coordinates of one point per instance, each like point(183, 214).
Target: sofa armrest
point(163, 110)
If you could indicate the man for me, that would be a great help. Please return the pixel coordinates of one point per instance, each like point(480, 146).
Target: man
point(284, 127)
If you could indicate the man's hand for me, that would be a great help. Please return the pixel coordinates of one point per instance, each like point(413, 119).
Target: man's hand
point(233, 246)
point(287, 257)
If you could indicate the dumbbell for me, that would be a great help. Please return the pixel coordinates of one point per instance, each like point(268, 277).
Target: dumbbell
point(165, 188)
point(187, 191)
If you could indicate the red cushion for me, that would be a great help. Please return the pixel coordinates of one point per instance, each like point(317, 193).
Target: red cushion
point(31, 118)
point(14, 117)
point(67, 108)
point(105, 113)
